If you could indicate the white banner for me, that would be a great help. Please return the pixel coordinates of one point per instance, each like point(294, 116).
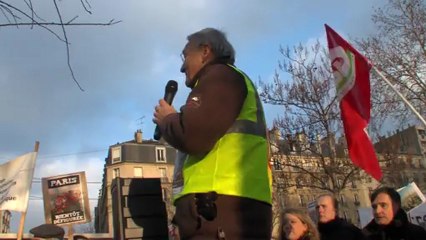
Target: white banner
point(15, 182)
point(418, 215)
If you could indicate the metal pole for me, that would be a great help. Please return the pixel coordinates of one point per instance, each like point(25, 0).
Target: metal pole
point(402, 97)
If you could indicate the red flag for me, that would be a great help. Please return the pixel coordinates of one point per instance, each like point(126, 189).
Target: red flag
point(352, 75)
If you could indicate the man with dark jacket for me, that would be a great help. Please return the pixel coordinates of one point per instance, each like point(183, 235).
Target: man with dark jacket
point(330, 226)
point(390, 220)
point(221, 186)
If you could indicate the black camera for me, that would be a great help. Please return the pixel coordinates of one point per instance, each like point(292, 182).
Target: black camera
point(206, 206)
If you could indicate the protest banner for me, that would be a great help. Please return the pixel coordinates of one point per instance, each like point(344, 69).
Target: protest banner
point(417, 215)
point(411, 196)
point(66, 199)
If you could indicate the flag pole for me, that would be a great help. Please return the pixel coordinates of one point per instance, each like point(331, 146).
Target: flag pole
point(70, 232)
point(402, 97)
point(24, 214)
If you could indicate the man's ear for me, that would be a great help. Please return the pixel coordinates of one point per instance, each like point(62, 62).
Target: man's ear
point(207, 54)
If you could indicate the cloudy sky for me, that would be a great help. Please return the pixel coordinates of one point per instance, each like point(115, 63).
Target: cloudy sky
point(123, 69)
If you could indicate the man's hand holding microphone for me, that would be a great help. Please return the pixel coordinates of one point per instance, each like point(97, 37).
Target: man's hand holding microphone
point(164, 107)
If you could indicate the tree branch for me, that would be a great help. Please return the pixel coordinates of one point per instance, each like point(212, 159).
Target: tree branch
point(15, 13)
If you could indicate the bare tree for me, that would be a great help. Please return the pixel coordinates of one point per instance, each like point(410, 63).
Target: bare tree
point(306, 152)
point(398, 49)
point(25, 13)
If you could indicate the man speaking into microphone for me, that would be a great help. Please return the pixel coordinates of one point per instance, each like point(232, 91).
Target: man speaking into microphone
point(224, 190)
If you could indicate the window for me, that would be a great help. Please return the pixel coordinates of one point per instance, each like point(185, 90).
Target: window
point(345, 215)
point(340, 182)
point(368, 179)
point(163, 175)
point(284, 202)
point(137, 172)
point(163, 172)
point(301, 200)
point(298, 185)
point(160, 154)
point(403, 177)
point(277, 164)
point(116, 173)
point(165, 197)
point(356, 199)
point(342, 199)
point(116, 154)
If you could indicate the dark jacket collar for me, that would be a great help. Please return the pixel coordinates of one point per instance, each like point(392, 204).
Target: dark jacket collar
point(331, 225)
point(204, 69)
point(399, 220)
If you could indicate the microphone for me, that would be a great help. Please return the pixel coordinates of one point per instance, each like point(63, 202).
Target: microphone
point(169, 94)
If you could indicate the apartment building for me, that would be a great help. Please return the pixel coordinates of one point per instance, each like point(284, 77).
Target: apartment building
point(402, 156)
point(136, 158)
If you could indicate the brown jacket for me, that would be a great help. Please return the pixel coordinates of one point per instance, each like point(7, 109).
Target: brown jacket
point(211, 108)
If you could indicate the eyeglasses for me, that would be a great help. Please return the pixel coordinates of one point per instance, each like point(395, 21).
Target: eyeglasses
point(184, 53)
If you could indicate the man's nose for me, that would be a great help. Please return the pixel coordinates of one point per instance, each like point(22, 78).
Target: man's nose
point(183, 68)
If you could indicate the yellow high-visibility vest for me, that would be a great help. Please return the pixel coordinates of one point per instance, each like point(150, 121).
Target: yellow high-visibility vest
point(238, 163)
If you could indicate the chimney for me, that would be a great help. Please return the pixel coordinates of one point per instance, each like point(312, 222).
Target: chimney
point(138, 136)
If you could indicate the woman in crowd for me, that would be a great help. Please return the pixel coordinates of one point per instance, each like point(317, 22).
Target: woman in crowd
point(297, 225)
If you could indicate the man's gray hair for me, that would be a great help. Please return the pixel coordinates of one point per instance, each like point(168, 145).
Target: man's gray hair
point(217, 41)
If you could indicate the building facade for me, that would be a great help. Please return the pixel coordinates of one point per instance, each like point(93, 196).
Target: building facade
point(134, 159)
point(297, 185)
point(298, 166)
point(402, 157)
point(409, 141)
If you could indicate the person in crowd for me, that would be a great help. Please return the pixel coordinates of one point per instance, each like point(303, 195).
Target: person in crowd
point(297, 225)
point(390, 220)
point(220, 133)
point(330, 225)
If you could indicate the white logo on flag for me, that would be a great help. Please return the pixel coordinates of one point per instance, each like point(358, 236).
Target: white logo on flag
point(343, 65)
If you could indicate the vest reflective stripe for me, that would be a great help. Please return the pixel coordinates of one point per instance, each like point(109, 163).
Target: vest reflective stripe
point(247, 127)
point(252, 126)
point(237, 165)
